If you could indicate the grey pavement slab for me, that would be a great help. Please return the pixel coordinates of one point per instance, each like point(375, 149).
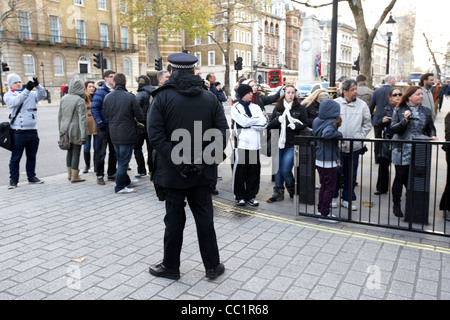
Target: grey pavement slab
point(269, 253)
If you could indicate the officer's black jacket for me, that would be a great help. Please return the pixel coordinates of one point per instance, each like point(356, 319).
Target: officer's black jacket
point(183, 103)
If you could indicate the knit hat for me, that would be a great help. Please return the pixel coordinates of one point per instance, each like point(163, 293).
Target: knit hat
point(12, 78)
point(243, 89)
point(143, 81)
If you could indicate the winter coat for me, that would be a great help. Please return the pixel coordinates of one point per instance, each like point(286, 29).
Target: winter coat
point(27, 118)
point(182, 106)
point(327, 149)
point(378, 102)
point(298, 112)
point(407, 130)
point(143, 99)
point(365, 93)
point(72, 113)
point(91, 126)
point(97, 104)
point(246, 129)
point(355, 122)
point(122, 111)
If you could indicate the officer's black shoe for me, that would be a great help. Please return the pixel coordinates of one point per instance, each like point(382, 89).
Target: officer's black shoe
point(160, 271)
point(217, 271)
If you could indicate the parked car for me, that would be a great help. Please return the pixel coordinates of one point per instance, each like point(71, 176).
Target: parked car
point(306, 89)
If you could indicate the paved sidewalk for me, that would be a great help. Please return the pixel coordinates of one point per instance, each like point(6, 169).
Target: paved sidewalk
point(82, 241)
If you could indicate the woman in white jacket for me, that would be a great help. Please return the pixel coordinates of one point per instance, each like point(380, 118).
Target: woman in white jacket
point(248, 120)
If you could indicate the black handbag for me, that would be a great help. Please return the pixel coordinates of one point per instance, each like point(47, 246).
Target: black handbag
point(6, 132)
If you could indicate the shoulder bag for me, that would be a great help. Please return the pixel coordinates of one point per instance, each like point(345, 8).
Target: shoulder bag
point(6, 132)
point(64, 141)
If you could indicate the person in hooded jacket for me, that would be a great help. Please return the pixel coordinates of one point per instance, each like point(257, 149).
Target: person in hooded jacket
point(72, 117)
point(182, 115)
point(290, 117)
point(327, 153)
point(143, 97)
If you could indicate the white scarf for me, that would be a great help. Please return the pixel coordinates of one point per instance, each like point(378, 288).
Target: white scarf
point(282, 119)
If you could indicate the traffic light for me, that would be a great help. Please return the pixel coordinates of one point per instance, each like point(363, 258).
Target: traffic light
point(356, 64)
point(158, 64)
point(238, 63)
point(5, 67)
point(98, 60)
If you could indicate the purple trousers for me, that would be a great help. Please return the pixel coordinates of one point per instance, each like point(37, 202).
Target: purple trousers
point(328, 179)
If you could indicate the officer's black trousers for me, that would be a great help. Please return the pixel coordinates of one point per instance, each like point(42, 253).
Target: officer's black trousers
point(200, 203)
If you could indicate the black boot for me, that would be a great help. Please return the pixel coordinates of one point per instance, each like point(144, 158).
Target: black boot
point(291, 191)
point(87, 160)
point(278, 194)
point(397, 210)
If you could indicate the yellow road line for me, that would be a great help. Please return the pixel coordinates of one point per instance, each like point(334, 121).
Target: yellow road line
point(338, 231)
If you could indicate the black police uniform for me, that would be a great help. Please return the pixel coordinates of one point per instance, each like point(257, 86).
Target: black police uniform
point(182, 103)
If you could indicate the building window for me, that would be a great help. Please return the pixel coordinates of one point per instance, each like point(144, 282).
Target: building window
point(102, 4)
point(81, 32)
point(198, 40)
point(199, 58)
point(249, 58)
point(127, 67)
point(28, 64)
point(236, 35)
point(104, 35)
point(211, 58)
point(124, 37)
point(58, 66)
point(55, 32)
point(24, 25)
point(79, 2)
point(211, 36)
point(84, 64)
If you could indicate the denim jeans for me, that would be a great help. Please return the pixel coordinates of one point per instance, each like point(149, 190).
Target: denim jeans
point(87, 146)
point(344, 170)
point(286, 163)
point(27, 140)
point(123, 153)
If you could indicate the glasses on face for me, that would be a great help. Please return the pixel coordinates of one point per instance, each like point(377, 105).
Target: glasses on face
point(397, 94)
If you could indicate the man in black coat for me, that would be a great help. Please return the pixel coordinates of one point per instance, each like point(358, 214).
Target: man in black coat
point(377, 107)
point(187, 129)
point(122, 111)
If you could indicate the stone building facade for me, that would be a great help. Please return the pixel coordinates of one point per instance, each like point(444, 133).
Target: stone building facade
point(56, 40)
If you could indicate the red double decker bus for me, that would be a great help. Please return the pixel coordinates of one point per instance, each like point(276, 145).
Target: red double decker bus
point(275, 78)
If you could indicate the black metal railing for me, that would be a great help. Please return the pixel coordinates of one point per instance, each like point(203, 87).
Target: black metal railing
point(67, 42)
point(420, 199)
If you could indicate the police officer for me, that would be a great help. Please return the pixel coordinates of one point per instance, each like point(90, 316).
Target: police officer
point(180, 115)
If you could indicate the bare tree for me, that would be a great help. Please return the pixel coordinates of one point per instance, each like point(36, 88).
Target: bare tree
point(227, 17)
point(365, 38)
point(433, 57)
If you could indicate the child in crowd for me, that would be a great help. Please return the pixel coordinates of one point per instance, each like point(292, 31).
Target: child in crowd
point(327, 154)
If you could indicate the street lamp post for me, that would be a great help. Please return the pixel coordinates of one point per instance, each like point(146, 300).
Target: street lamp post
point(49, 99)
point(390, 27)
